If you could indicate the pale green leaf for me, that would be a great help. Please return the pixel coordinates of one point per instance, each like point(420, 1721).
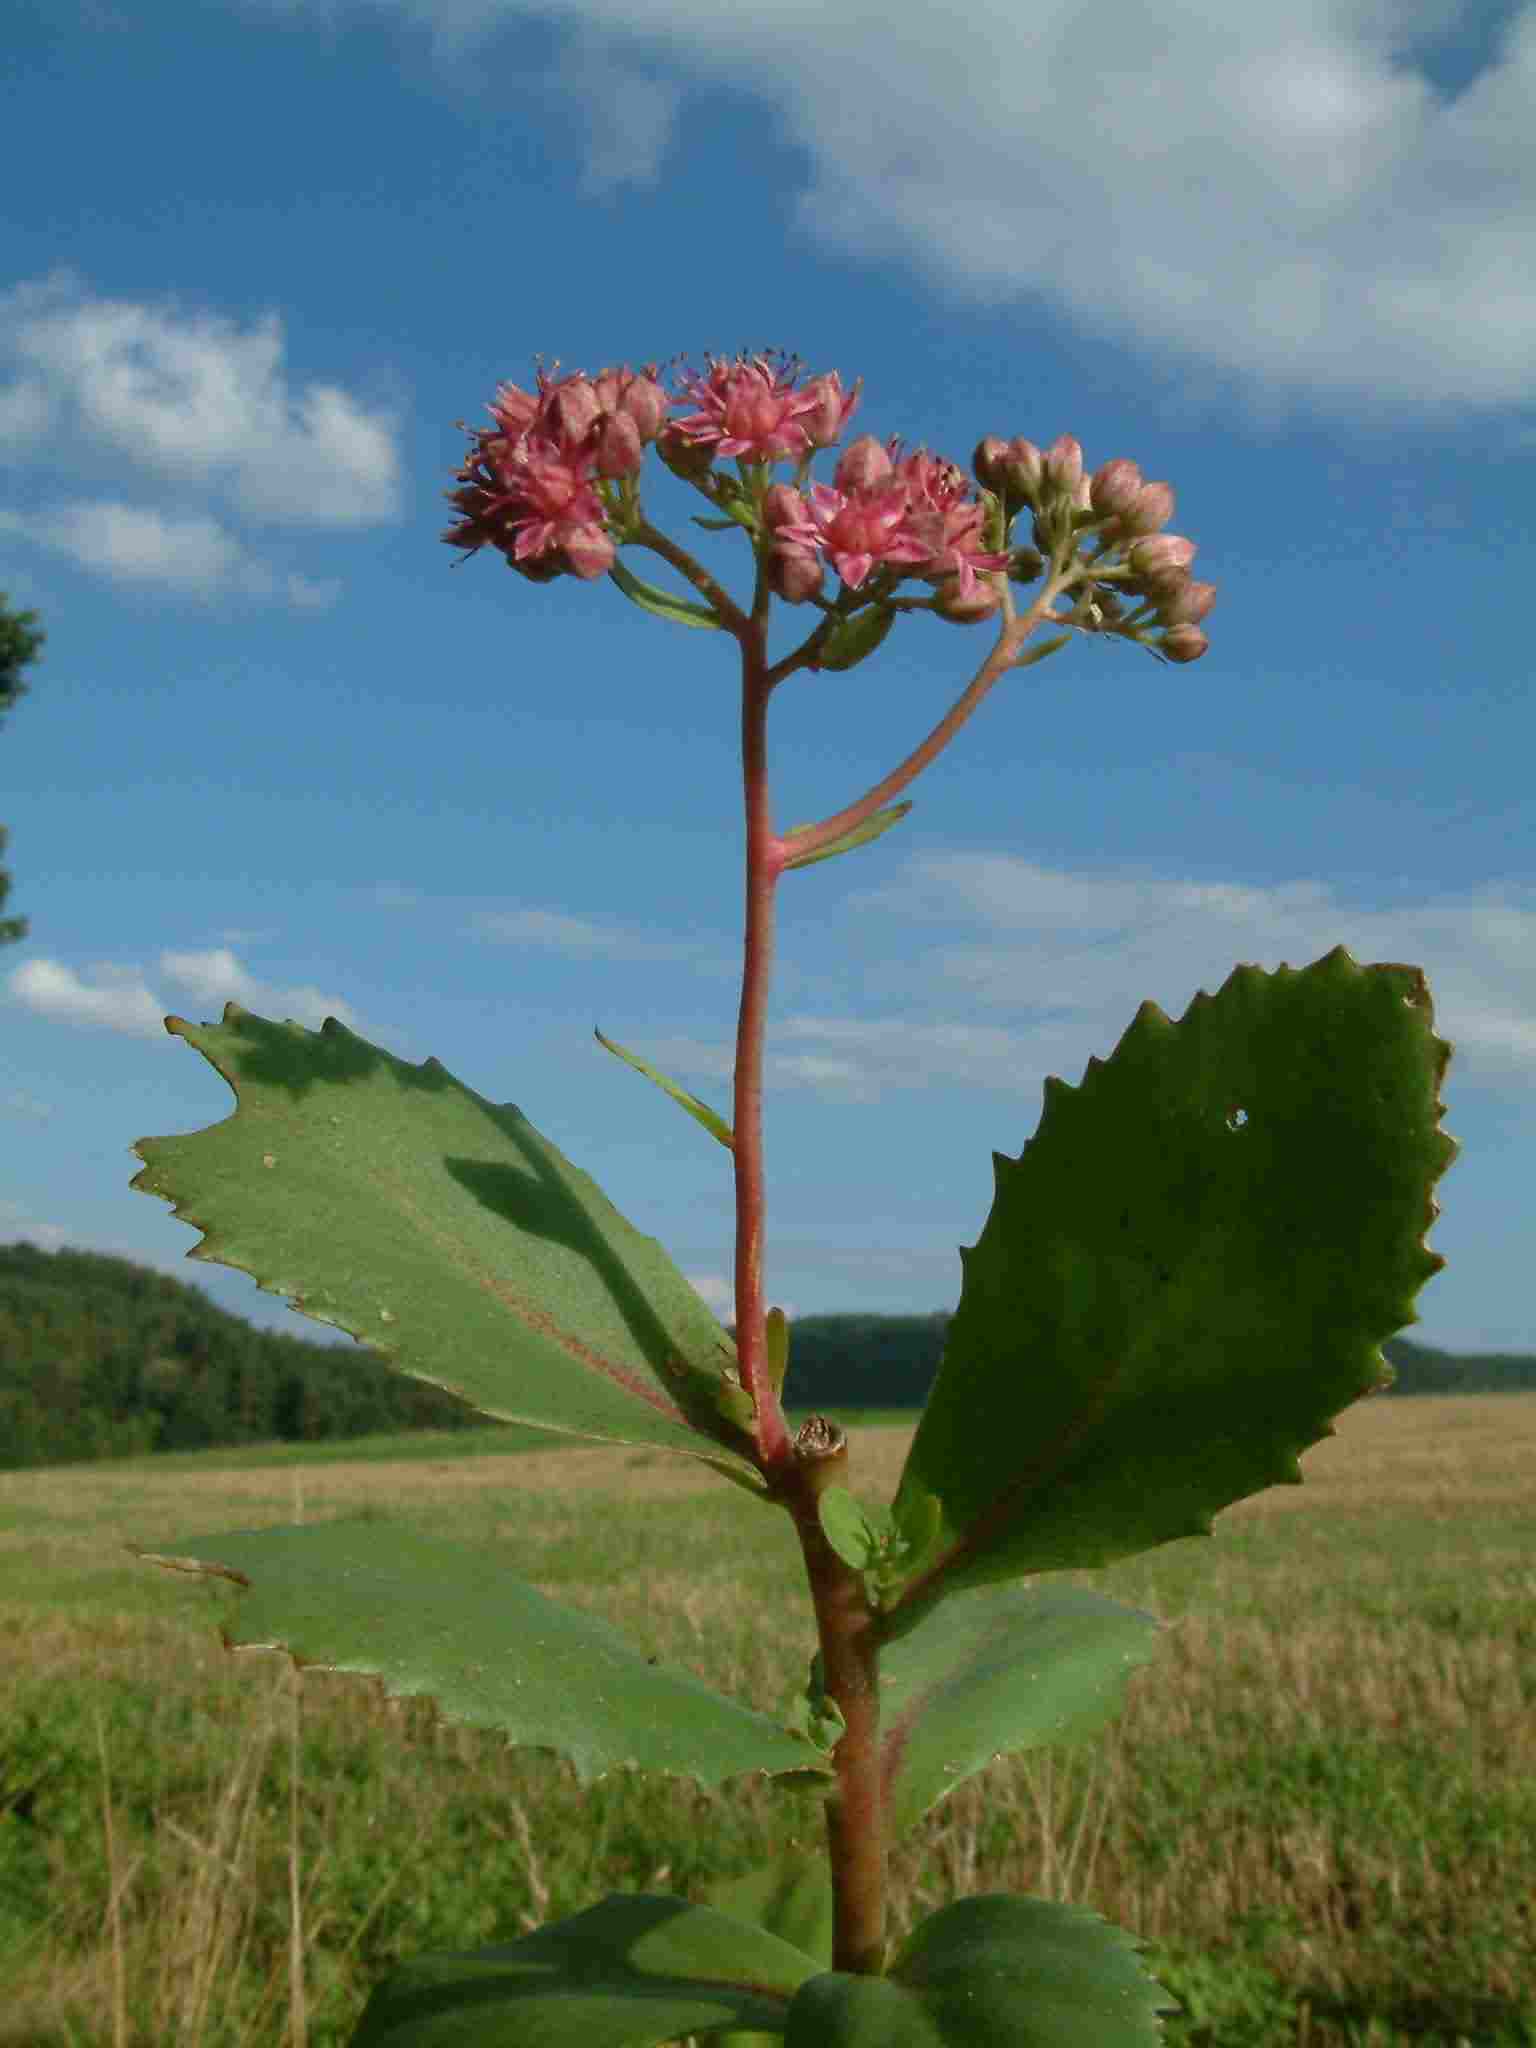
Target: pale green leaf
point(715, 1125)
point(447, 1621)
point(993, 1672)
point(443, 1231)
point(861, 835)
point(680, 610)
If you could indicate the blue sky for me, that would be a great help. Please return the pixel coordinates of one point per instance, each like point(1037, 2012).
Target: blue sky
point(259, 260)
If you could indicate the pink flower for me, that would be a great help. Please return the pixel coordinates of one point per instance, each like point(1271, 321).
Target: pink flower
point(948, 522)
point(858, 530)
point(747, 408)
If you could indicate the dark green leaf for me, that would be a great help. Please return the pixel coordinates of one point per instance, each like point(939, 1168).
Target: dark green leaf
point(792, 1898)
point(447, 1621)
point(447, 1234)
point(996, 1671)
point(1187, 1273)
point(634, 1971)
point(855, 638)
point(989, 1971)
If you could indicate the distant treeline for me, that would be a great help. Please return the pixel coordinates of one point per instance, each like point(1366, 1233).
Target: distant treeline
point(103, 1358)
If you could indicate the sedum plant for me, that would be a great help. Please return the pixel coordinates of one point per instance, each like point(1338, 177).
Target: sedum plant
point(1186, 1274)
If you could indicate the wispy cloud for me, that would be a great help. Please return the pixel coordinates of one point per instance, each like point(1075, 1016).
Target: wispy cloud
point(1063, 960)
point(111, 997)
point(1294, 198)
point(202, 418)
point(193, 556)
point(587, 937)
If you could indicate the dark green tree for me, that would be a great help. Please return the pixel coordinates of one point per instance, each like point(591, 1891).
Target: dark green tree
point(20, 643)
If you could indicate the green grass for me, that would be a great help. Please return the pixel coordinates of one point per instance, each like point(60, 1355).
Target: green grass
point(1319, 1806)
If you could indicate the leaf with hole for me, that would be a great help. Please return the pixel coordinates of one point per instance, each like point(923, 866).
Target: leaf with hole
point(1167, 1305)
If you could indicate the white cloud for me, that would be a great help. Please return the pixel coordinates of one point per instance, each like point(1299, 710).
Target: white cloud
point(191, 555)
point(193, 399)
point(1063, 960)
point(580, 935)
point(1282, 195)
point(118, 998)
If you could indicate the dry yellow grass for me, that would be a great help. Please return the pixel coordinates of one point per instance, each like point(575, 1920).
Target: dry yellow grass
point(1336, 1744)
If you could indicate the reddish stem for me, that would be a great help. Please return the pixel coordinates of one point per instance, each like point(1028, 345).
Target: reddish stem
point(765, 863)
point(1002, 657)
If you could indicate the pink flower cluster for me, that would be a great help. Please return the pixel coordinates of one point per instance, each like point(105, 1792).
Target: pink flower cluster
point(529, 485)
point(547, 482)
point(917, 515)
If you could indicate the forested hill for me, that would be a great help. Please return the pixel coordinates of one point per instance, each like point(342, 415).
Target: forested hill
point(101, 1357)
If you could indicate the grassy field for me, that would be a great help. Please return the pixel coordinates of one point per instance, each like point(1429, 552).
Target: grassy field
point(1319, 1807)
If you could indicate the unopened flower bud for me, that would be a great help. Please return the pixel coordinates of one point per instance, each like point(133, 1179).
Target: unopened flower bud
point(1150, 510)
point(1187, 605)
point(794, 573)
point(1062, 465)
point(619, 446)
point(637, 397)
point(967, 611)
point(1022, 470)
point(690, 460)
point(1183, 643)
point(823, 424)
point(783, 506)
point(989, 463)
point(1159, 555)
point(1114, 486)
point(1027, 564)
point(862, 465)
point(573, 408)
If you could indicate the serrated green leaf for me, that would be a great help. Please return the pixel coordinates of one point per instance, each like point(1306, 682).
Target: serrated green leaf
point(678, 609)
point(847, 1528)
point(790, 1897)
point(1186, 1274)
point(1033, 1973)
point(872, 828)
point(446, 1621)
point(994, 1672)
point(443, 1231)
point(854, 639)
point(633, 1971)
point(715, 1125)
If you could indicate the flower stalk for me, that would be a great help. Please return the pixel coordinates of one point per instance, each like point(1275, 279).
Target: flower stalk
point(553, 485)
